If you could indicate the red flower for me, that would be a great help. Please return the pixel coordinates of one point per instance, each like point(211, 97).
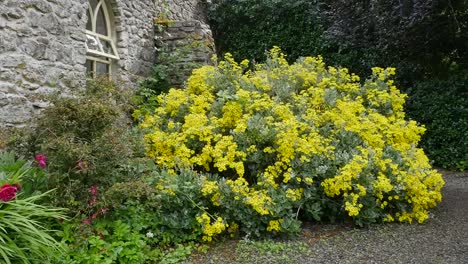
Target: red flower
point(41, 160)
point(86, 221)
point(7, 192)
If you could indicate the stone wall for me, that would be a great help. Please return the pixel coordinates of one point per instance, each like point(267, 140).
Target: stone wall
point(182, 30)
point(135, 37)
point(42, 47)
point(190, 44)
point(41, 50)
point(185, 10)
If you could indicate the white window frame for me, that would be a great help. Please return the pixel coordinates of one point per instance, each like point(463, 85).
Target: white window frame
point(100, 56)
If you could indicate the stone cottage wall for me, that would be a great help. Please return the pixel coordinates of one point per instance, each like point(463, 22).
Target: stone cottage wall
point(42, 47)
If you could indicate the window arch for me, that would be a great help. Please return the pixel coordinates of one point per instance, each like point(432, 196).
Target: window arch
point(101, 48)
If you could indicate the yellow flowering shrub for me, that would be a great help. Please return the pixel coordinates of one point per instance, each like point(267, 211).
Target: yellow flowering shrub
point(284, 143)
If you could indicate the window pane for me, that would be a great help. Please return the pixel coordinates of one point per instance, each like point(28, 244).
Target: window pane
point(107, 47)
point(92, 43)
point(100, 49)
point(89, 23)
point(101, 25)
point(102, 68)
point(93, 3)
point(89, 67)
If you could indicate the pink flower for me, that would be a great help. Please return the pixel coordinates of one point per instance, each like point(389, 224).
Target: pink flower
point(41, 160)
point(86, 221)
point(7, 192)
point(103, 211)
point(93, 190)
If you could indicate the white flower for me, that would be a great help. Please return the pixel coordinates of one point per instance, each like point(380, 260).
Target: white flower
point(150, 234)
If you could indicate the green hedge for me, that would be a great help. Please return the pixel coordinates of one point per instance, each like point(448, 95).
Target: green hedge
point(442, 106)
point(248, 28)
point(421, 40)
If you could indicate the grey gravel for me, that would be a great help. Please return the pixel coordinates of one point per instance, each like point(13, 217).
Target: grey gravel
point(441, 239)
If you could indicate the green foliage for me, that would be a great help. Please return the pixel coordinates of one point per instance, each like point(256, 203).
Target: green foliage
point(442, 106)
point(162, 204)
point(87, 139)
point(114, 242)
point(268, 250)
point(4, 137)
point(419, 39)
point(176, 255)
point(151, 220)
point(12, 170)
point(248, 28)
point(25, 236)
point(158, 82)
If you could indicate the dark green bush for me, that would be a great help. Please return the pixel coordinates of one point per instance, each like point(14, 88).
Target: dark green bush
point(87, 138)
point(442, 106)
point(419, 39)
point(248, 28)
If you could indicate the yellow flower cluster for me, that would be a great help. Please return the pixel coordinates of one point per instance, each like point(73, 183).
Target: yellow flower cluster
point(259, 200)
point(342, 183)
point(294, 195)
point(211, 229)
point(211, 188)
point(189, 115)
point(162, 187)
point(274, 225)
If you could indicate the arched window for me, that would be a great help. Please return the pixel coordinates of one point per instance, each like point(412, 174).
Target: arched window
point(101, 50)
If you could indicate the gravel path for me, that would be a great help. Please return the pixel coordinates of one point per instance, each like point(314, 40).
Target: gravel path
point(441, 239)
